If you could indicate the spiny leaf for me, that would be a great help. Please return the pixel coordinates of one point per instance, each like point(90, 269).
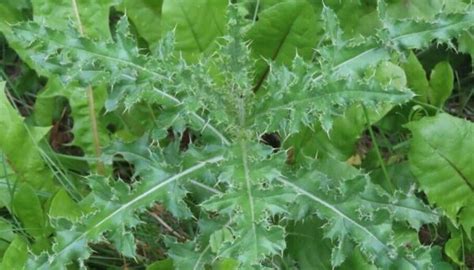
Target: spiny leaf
point(355, 55)
point(113, 207)
point(296, 97)
point(248, 202)
point(133, 76)
point(357, 210)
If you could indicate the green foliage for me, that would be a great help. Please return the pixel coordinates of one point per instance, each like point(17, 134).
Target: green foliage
point(19, 142)
point(442, 165)
point(91, 16)
point(16, 255)
point(281, 32)
point(177, 102)
point(438, 89)
point(146, 16)
point(197, 24)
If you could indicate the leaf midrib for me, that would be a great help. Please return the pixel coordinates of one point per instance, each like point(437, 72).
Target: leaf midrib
point(190, 26)
point(171, 98)
point(455, 168)
point(339, 213)
point(147, 193)
point(277, 51)
point(310, 99)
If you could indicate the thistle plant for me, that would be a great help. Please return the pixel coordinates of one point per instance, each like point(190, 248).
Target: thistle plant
point(243, 193)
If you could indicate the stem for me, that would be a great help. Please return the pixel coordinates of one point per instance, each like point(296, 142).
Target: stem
point(95, 131)
point(90, 103)
point(377, 151)
point(255, 12)
point(245, 165)
point(167, 227)
point(437, 109)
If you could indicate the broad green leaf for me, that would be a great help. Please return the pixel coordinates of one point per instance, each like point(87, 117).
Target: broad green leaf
point(441, 158)
point(442, 83)
point(466, 43)
point(308, 247)
point(7, 181)
point(62, 206)
point(16, 255)
point(19, 143)
point(283, 31)
point(9, 13)
point(341, 142)
point(6, 236)
point(466, 219)
point(388, 73)
point(453, 248)
point(27, 207)
point(161, 265)
point(357, 17)
point(416, 76)
point(226, 264)
point(439, 262)
point(197, 24)
point(88, 16)
point(146, 16)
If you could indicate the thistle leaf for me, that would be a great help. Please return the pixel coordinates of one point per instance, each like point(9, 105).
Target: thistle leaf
point(358, 211)
point(112, 209)
point(133, 76)
point(296, 97)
